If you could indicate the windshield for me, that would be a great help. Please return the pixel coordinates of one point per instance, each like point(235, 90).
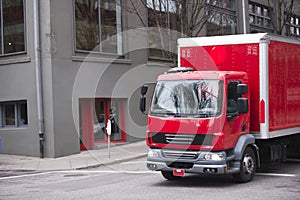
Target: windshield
point(198, 98)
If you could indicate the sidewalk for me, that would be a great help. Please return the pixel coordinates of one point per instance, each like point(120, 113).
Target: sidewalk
point(85, 159)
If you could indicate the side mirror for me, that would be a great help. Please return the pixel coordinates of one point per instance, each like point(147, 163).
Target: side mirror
point(242, 89)
point(242, 105)
point(144, 90)
point(143, 104)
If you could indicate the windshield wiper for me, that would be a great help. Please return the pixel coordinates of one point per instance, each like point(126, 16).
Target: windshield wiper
point(173, 114)
point(167, 113)
point(203, 115)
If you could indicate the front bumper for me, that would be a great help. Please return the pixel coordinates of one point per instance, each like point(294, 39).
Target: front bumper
point(191, 162)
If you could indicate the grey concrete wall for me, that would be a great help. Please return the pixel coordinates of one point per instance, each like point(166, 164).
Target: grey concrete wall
point(65, 139)
point(17, 80)
point(78, 75)
point(18, 83)
point(67, 76)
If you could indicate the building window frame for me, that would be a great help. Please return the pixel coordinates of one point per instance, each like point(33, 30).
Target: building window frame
point(219, 13)
point(2, 30)
point(167, 11)
point(293, 26)
point(118, 35)
point(260, 17)
point(18, 112)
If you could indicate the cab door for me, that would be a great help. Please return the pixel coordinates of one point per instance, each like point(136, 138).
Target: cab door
point(234, 124)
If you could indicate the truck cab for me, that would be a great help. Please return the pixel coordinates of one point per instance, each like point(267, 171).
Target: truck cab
point(198, 122)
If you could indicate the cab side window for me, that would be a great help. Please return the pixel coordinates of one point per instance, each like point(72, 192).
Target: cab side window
point(232, 97)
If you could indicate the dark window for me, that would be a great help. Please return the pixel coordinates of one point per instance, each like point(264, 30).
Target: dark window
point(259, 18)
point(12, 26)
point(293, 26)
point(232, 97)
point(9, 114)
point(98, 23)
point(23, 119)
point(221, 17)
point(13, 114)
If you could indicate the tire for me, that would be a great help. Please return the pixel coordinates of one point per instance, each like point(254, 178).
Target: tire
point(247, 167)
point(169, 176)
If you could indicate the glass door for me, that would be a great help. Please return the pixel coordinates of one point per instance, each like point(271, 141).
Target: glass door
point(115, 113)
point(112, 109)
point(100, 120)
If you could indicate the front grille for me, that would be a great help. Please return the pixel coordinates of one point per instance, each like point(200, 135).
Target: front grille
point(180, 165)
point(180, 154)
point(179, 139)
point(182, 139)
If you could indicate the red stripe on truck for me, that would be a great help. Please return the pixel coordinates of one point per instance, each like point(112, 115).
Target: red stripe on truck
point(262, 111)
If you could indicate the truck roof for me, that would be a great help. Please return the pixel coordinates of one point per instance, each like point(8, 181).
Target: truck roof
point(194, 75)
point(232, 39)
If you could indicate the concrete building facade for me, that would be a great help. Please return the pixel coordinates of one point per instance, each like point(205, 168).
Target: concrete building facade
point(92, 55)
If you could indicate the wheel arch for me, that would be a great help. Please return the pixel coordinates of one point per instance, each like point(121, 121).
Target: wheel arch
point(245, 141)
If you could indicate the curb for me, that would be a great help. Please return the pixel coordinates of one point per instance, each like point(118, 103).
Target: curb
point(80, 168)
point(111, 162)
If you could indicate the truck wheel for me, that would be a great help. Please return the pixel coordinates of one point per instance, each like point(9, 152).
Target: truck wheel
point(247, 167)
point(169, 176)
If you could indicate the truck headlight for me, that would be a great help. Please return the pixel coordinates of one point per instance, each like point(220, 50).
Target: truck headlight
point(152, 154)
point(214, 156)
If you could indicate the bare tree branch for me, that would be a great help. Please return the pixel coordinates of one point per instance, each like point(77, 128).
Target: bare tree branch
point(286, 9)
point(136, 11)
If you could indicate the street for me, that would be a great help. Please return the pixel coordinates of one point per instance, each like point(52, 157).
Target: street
point(132, 180)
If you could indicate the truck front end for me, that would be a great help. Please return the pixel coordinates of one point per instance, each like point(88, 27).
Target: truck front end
point(190, 124)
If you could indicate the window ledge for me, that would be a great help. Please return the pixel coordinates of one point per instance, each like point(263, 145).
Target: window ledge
point(101, 60)
point(7, 128)
point(157, 63)
point(14, 60)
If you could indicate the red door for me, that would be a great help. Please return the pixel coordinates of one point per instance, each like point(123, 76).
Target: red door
point(86, 128)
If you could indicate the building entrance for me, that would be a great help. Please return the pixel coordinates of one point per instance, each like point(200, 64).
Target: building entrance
point(94, 116)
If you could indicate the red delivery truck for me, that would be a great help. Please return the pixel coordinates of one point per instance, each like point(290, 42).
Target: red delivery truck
point(231, 104)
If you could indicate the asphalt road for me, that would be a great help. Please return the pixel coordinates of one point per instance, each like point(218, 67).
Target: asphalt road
point(131, 180)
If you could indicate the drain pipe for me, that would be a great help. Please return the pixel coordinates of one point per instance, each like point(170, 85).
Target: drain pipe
point(38, 77)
